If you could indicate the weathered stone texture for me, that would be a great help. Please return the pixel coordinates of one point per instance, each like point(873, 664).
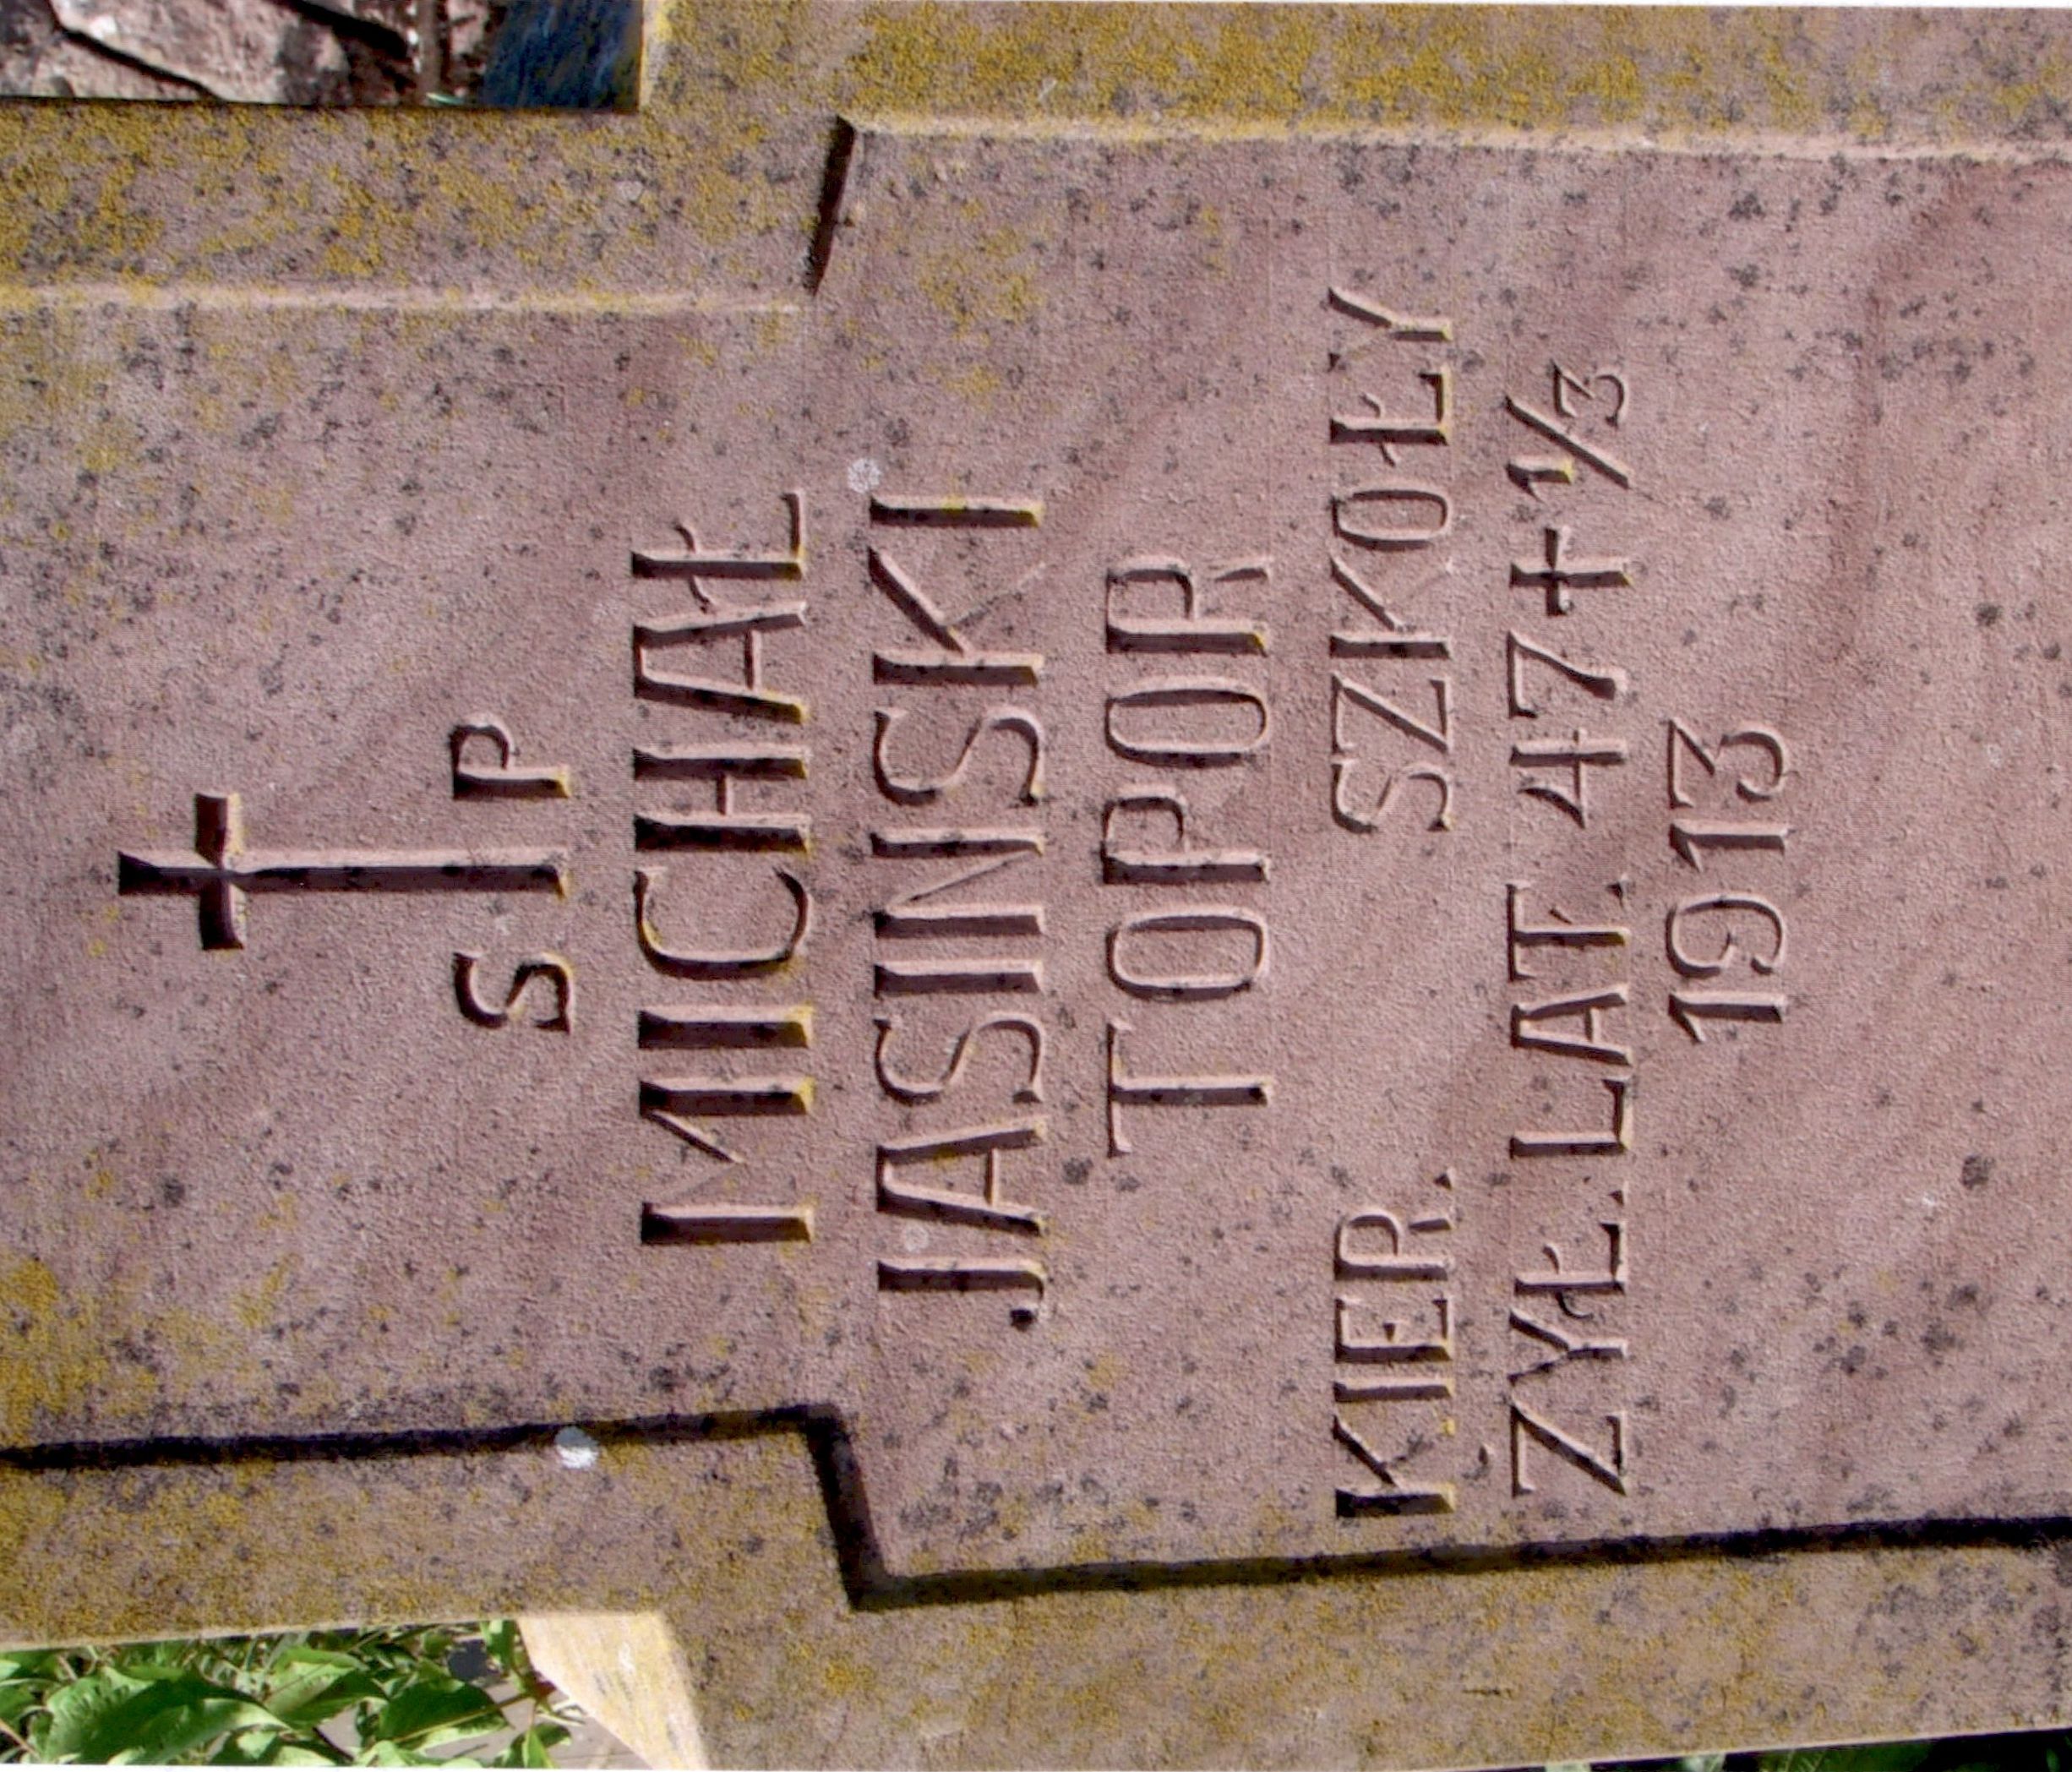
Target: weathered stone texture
point(1212, 857)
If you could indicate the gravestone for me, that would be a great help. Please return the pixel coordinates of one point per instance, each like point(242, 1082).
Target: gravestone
point(1151, 885)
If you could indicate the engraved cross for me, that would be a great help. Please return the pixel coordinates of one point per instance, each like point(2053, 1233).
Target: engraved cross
point(221, 871)
point(1560, 573)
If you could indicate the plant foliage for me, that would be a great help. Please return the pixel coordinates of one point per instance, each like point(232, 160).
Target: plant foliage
point(2042, 1750)
point(454, 1695)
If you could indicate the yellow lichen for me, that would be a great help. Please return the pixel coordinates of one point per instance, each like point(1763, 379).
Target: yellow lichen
point(983, 283)
point(58, 1353)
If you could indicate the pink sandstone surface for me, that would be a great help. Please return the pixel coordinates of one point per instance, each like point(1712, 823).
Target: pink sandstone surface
point(1267, 850)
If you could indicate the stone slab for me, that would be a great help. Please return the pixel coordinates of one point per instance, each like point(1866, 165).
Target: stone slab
point(1009, 875)
point(1667, 1059)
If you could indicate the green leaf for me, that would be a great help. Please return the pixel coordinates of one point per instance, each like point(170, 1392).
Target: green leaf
point(247, 1747)
point(115, 1717)
point(75, 1711)
point(388, 1753)
point(434, 1643)
point(395, 1663)
point(433, 1709)
point(173, 1730)
point(253, 1748)
point(505, 1647)
point(145, 1661)
point(531, 1749)
point(17, 1697)
point(34, 1664)
point(256, 1747)
point(311, 1686)
point(1875, 1757)
point(308, 1655)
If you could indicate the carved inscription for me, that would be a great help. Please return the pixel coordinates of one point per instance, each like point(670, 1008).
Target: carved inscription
point(958, 927)
point(1392, 685)
point(955, 923)
point(705, 1103)
point(1090, 1065)
point(1579, 1019)
point(501, 777)
point(552, 971)
point(220, 872)
point(1569, 965)
point(1173, 948)
point(1574, 758)
point(1562, 1314)
point(1393, 1346)
point(1727, 946)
